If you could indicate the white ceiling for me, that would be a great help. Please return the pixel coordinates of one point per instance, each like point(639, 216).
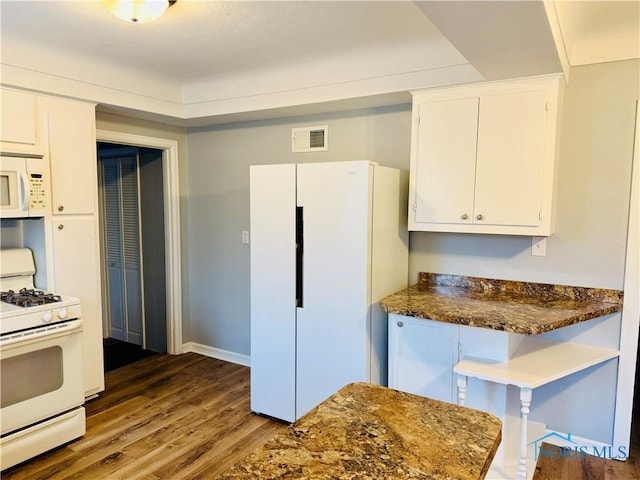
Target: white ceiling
point(214, 61)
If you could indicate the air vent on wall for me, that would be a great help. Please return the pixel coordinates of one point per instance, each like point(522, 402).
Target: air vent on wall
point(309, 139)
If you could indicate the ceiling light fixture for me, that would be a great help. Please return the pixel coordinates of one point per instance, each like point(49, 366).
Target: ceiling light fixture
point(138, 11)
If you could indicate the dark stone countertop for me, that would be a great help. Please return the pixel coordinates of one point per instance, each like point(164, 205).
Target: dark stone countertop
point(370, 432)
point(516, 307)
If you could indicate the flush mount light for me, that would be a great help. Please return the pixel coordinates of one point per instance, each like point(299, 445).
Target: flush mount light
point(138, 11)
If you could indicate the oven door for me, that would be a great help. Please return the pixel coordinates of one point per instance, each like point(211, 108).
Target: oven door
point(41, 374)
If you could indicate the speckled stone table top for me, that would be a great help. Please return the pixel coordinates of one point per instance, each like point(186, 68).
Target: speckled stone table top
point(516, 307)
point(376, 433)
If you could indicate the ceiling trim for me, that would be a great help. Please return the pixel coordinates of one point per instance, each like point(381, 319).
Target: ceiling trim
point(369, 92)
point(49, 84)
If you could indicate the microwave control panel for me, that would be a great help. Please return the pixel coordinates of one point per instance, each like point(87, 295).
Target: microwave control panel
point(36, 191)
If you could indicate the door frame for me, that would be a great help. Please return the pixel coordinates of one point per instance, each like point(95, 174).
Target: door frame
point(630, 309)
point(171, 195)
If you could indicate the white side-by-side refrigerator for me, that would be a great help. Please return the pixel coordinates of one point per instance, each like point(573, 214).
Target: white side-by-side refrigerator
point(328, 240)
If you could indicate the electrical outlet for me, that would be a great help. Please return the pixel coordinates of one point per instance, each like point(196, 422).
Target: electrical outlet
point(539, 246)
point(245, 236)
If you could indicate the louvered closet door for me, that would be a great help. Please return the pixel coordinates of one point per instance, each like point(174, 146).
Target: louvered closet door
point(113, 233)
point(122, 242)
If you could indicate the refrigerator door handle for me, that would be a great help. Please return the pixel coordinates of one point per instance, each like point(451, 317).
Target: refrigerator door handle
point(299, 257)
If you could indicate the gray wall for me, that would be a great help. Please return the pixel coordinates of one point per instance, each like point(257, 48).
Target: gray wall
point(594, 184)
point(588, 248)
point(151, 179)
point(219, 159)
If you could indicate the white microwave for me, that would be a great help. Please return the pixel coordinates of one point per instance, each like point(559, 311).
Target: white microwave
point(23, 190)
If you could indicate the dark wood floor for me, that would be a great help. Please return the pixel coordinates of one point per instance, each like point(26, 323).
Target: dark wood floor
point(187, 417)
point(165, 417)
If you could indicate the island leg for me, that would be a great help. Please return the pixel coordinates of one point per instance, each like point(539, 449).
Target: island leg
point(462, 389)
point(525, 401)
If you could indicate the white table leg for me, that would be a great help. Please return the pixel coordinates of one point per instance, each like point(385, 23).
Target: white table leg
point(462, 389)
point(525, 401)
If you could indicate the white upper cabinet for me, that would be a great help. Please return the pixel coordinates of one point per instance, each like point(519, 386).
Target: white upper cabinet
point(21, 129)
point(72, 154)
point(483, 158)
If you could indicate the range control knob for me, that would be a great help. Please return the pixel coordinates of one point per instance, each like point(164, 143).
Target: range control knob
point(46, 317)
point(62, 313)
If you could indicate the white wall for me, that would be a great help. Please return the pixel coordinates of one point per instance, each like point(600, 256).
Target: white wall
point(219, 159)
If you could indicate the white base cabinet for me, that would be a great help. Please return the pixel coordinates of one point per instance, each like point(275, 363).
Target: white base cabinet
point(422, 355)
point(483, 157)
point(75, 249)
point(497, 372)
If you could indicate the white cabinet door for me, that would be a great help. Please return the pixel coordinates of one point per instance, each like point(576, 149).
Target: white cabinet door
point(510, 166)
point(77, 273)
point(422, 354)
point(445, 173)
point(72, 153)
point(21, 123)
point(483, 158)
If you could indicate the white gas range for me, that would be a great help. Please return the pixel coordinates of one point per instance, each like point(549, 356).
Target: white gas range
point(41, 372)
point(35, 308)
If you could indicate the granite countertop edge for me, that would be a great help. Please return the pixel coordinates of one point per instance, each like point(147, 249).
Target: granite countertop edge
point(515, 307)
point(370, 431)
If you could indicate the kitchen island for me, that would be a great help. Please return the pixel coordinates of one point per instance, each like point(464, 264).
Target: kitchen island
point(367, 431)
point(447, 330)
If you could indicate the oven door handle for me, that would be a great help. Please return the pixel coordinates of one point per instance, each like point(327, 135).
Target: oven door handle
point(52, 331)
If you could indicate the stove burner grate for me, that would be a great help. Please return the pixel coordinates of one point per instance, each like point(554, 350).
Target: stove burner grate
point(29, 297)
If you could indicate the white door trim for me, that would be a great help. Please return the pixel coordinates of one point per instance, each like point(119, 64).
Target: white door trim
point(630, 309)
point(171, 222)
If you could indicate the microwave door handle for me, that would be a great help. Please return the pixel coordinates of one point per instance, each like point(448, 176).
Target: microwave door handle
point(24, 192)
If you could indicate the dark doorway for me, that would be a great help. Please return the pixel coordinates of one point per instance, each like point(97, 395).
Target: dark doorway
point(118, 353)
point(133, 252)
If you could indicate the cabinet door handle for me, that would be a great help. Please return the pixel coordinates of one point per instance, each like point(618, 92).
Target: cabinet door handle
point(60, 208)
point(479, 216)
point(400, 324)
point(464, 216)
point(60, 227)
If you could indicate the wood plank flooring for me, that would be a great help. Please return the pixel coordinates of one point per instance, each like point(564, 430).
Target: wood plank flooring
point(587, 467)
point(165, 417)
point(187, 417)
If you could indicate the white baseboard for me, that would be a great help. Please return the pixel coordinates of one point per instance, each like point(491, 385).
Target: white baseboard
point(220, 354)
